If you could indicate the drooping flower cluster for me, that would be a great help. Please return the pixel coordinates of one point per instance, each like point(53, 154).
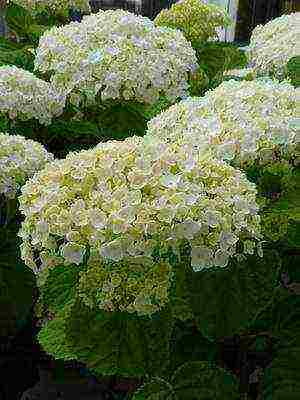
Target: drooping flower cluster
point(117, 206)
point(272, 45)
point(239, 121)
point(118, 54)
point(197, 20)
point(35, 6)
point(24, 96)
point(20, 159)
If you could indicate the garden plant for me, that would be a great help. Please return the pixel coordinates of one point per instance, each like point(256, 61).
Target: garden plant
point(149, 187)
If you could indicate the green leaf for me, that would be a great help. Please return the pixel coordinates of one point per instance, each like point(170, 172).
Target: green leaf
point(281, 380)
point(9, 45)
point(216, 57)
point(289, 203)
point(60, 287)
point(224, 300)
point(35, 31)
point(120, 343)
point(180, 302)
point(17, 282)
point(192, 380)
point(52, 338)
point(192, 346)
point(293, 68)
point(18, 19)
point(16, 54)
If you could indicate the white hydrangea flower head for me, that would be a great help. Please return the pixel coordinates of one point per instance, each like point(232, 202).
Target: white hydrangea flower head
point(272, 45)
point(25, 96)
point(240, 121)
point(20, 159)
point(121, 202)
point(198, 20)
point(120, 55)
point(35, 6)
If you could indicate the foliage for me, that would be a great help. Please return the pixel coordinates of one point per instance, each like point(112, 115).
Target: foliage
point(189, 382)
point(224, 301)
point(214, 58)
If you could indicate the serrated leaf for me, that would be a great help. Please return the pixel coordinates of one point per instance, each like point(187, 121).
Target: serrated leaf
point(120, 343)
point(224, 300)
point(216, 57)
point(60, 287)
point(192, 380)
point(52, 338)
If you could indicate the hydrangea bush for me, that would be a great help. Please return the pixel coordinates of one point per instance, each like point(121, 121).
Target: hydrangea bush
point(25, 96)
point(254, 126)
point(272, 45)
point(162, 227)
point(55, 6)
point(120, 202)
point(196, 19)
point(244, 122)
point(20, 159)
point(110, 51)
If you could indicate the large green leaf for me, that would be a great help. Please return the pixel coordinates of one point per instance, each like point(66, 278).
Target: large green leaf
point(216, 57)
point(282, 379)
point(60, 287)
point(179, 298)
point(52, 338)
point(120, 343)
point(194, 380)
point(17, 283)
point(293, 68)
point(191, 347)
point(289, 203)
point(224, 300)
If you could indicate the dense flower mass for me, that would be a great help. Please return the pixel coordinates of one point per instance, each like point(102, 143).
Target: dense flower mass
point(272, 45)
point(239, 121)
point(118, 54)
point(24, 96)
point(20, 159)
point(197, 20)
point(121, 203)
point(35, 6)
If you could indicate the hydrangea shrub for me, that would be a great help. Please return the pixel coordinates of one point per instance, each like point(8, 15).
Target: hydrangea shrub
point(114, 207)
point(272, 45)
point(118, 54)
point(196, 19)
point(25, 96)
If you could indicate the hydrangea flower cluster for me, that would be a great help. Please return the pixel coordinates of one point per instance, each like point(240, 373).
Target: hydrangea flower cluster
point(115, 207)
point(35, 6)
point(20, 159)
point(119, 54)
point(197, 20)
point(240, 121)
point(272, 45)
point(24, 96)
